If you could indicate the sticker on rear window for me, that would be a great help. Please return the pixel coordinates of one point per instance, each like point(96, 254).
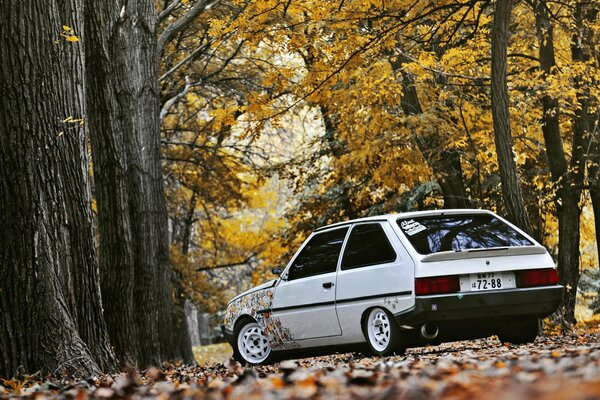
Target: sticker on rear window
point(411, 227)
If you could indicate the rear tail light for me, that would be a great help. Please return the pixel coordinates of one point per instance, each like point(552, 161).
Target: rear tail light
point(437, 285)
point(536, 277)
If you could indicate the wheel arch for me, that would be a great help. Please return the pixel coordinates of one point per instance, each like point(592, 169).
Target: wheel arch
point(365, 315)
point(241, 318)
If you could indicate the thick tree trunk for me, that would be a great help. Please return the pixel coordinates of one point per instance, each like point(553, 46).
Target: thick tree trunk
point(567, 180)
point(511, 187)
point(109, 133)
point(49, 284)
point(125, 129)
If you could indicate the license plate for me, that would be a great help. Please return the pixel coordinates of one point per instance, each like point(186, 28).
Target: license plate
point(487, 281)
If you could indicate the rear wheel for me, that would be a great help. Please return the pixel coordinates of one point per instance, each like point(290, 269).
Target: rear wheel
point(252, 346)
point(520, 332)
point(383, 336)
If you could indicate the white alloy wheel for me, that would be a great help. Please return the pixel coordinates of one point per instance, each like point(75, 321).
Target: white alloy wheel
point(379, 330)
point(252, 344)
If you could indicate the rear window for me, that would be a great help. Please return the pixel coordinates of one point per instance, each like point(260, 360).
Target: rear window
point(432, 234)
point(367, 245)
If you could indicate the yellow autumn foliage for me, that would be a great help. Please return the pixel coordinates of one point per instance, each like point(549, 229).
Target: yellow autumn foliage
point(356, 151)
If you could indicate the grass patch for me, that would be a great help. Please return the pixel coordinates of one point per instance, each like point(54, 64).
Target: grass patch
point(213, 353)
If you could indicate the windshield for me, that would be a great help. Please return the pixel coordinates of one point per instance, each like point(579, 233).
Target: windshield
point(432, 234)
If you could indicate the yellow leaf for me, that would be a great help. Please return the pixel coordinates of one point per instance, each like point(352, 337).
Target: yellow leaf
point(72, 39)
point(66, 28)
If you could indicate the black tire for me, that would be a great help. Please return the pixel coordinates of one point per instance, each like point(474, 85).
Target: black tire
point(520, 331)
point(383, 336)
point(255, 350)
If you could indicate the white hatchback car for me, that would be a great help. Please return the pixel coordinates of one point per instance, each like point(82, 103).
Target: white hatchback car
point(397, 281)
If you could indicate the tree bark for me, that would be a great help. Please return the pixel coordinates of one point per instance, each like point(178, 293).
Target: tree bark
point(509, 178)
point(567, 178)
point(111, 126)
point(445, 164)
point(50, 296)
point(583, 50)
point(594, 181)
point(125, 131)
point(583, 128)
point(182, 342)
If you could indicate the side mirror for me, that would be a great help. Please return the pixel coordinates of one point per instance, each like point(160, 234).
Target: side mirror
point(277, 271)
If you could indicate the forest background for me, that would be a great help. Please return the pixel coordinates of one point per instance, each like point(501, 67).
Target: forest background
point(153, 153)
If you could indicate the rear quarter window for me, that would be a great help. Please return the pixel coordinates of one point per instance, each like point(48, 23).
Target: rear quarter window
point(368, 245)
point(433, 234)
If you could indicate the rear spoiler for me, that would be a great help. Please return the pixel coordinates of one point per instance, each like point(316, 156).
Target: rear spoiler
point(484, 252)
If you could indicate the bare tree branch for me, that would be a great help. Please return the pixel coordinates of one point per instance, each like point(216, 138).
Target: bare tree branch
point(167, 11)
point(169, 103)
point(181, 23)
point(187, 59)
point(235, 264)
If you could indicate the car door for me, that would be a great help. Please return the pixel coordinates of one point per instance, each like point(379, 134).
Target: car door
point(304, 299)
point(375, 270)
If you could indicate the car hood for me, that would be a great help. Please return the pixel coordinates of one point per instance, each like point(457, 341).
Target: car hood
point(263, 286)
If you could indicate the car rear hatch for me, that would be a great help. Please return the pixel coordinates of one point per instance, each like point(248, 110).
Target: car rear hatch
point(474, 251)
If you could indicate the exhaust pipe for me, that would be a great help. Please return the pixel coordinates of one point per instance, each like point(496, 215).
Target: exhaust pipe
point(429, 331)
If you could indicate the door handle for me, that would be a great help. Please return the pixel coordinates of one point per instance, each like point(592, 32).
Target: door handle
point(327, 285)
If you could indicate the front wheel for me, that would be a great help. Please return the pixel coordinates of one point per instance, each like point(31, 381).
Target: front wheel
point(382, 334)
point(252, 346)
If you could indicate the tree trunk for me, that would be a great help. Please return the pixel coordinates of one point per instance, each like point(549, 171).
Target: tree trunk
point(445, 165)
point(336, 147)
point(50, 296)
point(594, 180)
point(511, 188)
point(109, 134)
point(567, 180)
point(188, 222)
point(583, 50)
point(182, 343)
point(585, 13)
point(557, 161)
point(125, 130)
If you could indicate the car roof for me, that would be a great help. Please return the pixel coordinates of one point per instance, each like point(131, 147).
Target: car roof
point(394, 216)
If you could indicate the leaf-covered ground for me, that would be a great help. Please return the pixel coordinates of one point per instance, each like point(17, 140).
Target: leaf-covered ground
point(556, 367)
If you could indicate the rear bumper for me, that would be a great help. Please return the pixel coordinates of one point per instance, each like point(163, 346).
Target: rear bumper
point(539, 301)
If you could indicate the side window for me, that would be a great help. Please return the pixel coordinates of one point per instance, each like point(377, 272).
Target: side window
point(319, 256)
point(367, 245)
